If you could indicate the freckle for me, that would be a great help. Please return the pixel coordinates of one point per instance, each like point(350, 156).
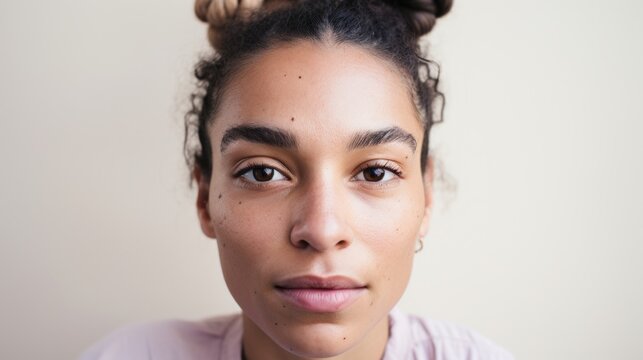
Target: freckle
point(371, 304)
point(300, 76)
point(283, 306)
point(398, 229)
point(406, 157)
point(344, 338)
point(240, 202)
point(292, 119)
point(224, 245)
point(276, 324)
point(255, 292)
point(284, 75)
point(220, 196)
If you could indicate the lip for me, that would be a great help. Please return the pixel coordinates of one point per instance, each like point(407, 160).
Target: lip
point(320, 294)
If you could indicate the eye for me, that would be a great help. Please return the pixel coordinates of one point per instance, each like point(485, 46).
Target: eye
point(260, 173)
point(377, 173)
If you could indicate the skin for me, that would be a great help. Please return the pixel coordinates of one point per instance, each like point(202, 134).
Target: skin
point(318, 214)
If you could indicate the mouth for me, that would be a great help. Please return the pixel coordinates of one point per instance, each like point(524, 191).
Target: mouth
point(319, 294)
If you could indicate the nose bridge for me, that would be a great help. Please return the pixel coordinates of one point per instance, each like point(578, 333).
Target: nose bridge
point(321, 222)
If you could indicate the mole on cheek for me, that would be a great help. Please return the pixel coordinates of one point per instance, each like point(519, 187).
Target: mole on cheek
point(292, 119)
point(220, 195)
point(240, 202)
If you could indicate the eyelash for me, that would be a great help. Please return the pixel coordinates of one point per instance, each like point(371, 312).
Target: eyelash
point(381, 164)
point(250, 166)
point(256, 165)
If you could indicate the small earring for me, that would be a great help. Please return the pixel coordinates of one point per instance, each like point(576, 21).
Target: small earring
point(421, 245)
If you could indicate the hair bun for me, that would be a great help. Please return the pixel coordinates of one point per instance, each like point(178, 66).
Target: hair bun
point(422, 14)
point(216, 13)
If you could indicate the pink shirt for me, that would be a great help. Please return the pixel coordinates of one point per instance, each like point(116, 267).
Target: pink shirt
point(219, 338)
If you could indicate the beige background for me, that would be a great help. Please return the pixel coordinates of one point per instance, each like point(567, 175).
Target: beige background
point(539, 248)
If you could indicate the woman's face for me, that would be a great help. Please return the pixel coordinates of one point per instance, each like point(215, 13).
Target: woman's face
point(316, 197)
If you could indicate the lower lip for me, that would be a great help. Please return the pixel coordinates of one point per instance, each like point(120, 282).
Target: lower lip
point(321, 300)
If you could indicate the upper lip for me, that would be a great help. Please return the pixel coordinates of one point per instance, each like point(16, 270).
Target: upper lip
point(319, 282)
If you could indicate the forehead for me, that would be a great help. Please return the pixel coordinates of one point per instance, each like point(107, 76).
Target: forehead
point(318, 90)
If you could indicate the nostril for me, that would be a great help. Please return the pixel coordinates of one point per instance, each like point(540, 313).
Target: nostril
point(342, 244)
point(302, 244)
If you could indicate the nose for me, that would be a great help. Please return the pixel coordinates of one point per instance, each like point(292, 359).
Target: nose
point(322, 219)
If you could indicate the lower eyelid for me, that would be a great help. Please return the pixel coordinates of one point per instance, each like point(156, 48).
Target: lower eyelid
point(379, 185)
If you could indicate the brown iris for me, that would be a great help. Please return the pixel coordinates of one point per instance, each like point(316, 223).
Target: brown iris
point(263, 173)
point(374, 174)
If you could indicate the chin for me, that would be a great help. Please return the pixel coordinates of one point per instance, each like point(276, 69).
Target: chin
point(315, 340)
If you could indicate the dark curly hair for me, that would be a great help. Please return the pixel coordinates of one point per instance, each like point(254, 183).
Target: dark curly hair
point(390, 29)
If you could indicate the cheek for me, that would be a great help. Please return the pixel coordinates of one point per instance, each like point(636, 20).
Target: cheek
point(394, 223)
point(249, 239)
point(391, 232)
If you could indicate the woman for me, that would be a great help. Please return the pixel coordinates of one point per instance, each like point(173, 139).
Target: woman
point(308, 142)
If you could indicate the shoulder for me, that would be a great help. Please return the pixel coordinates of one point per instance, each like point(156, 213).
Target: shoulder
point(441, 340)
point(170, 339)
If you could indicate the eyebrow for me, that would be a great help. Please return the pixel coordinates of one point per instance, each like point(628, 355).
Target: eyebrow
point(384, 136)
point(258, 134)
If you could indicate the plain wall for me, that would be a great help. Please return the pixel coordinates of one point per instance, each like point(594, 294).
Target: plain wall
point(538, 248)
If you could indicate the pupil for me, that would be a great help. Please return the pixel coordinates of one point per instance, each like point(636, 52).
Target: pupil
point(374, 174)
point(263, 173)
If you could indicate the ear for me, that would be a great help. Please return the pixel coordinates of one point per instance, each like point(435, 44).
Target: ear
point(428, 196)
point(202, 202)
